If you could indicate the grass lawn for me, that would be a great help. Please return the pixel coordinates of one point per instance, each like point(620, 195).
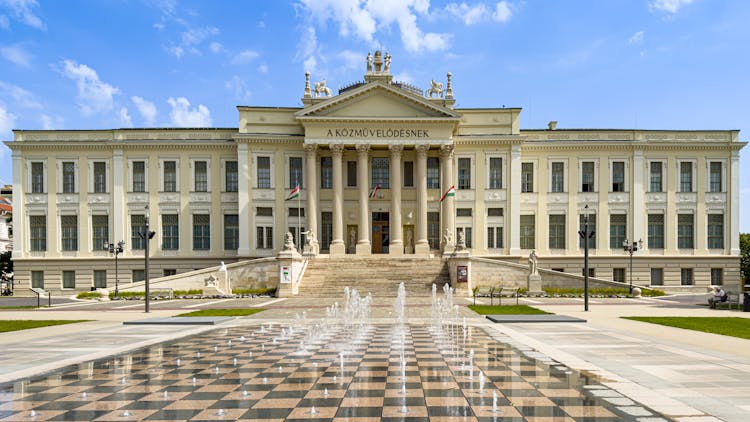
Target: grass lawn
point(222, 312)
point(12, 325)
point(506, 310)
point(728, 326)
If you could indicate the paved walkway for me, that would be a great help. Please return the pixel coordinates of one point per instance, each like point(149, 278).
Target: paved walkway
point(684, 374)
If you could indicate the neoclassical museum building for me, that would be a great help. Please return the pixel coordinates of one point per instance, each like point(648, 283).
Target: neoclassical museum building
point(372, 163)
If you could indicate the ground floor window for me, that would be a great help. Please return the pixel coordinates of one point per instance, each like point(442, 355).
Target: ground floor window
point(717, 276)
point(433, 229)
point(201, 232)
point(686, 276)
point(138, 275)
point(494, 237)
point(264, 237)
point(100, 279)
point(592, 272)
point(618, 274)
point(69, 279)
point(297, 235)
point(528, 232)
point(466, 232)
point(657, 276)
point(169, 272)
point(326, 230)
point(231, 232)
point(37, 279)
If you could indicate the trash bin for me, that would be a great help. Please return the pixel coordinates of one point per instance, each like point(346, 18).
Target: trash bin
point(746, 305)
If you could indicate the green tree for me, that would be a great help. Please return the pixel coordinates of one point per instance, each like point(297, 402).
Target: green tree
point(6, 265)
point(745, 257)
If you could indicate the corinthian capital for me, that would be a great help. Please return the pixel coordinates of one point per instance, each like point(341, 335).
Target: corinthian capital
point(446, 151)
point(336, 149)
point(396, 150)
point(422, 149)
point(363, 149)
point(311, 148)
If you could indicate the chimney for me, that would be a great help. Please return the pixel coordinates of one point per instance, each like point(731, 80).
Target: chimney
point(552, 125)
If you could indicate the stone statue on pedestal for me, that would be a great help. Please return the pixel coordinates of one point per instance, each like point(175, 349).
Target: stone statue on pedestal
point(288, 242)
point(533, 263)
point(369, 62)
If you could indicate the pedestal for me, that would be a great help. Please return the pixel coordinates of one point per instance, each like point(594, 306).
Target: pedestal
point(364, 248)
point(459, 268)
point(337, 249)
point(290, 267)
point(534, 284)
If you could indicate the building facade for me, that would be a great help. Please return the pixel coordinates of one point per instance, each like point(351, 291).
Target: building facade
point(372, 164)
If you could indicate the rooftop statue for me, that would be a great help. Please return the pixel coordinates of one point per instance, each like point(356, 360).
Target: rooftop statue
point(321, 89)
point(435, 88)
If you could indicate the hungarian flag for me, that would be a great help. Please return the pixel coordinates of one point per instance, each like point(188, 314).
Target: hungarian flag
point(294, 194)
point(450, 192)
point(374, 191)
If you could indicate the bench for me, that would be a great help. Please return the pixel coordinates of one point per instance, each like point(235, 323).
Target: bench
point(506, 292)
point(732, 299)
point(484, 291)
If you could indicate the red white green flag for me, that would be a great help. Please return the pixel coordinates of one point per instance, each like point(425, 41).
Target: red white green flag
point(374, 191)
point(294, 194)
point(450, 192)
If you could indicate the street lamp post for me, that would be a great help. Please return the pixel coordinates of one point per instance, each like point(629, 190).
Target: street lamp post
point(631, 248)
point(146, 235)
point(115, 249)
point(585, 234)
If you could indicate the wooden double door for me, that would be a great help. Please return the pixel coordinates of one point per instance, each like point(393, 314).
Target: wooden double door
point(381, 238)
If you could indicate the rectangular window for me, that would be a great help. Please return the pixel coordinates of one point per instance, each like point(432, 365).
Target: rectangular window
point(37, 279)
point(686, 276)
point(592, 272)
point(231, 176)
point(715, 231)
point(264, 237)
point(100, 177)
point(69, 177)
point(464, 173)
point(657, 276)
point(617, 227)
point(494, 212)
point(618, 176)
point(264, 173)
point(686, 176)
point(38, 232)
point(69, 232)
point(231, 232)
point(592, 229)
point(326, 172)
point(656, 176)
point(433, 173)
point(557, 231)
point(408, 174)
point(351, 174)
point(169, 272)
point(296, 212)
point(587, 176)
point(496, 173)
point(170, 176)
point(100, 279)
point(618, 274)
point(433, 229)
point(381, 170)
point(137, 226)
point(138, 275)
point(170, 232)
point(201, 232)
point(69, 279)
point(558, 177)
point(201, 176)
point(100, 231)
point(685, 231)
point(295, 172)
point(656, 231)
point(326, 230)
point(139, 176)
point(37, 177)
point(264, 212)
point(463, 212)
point(714, 183)
point(528, 232)
point(466, 232)
point(494, 237)
point(527, 177)
point(717, 276)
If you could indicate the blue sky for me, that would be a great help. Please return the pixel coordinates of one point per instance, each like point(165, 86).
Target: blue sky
point(647, 64)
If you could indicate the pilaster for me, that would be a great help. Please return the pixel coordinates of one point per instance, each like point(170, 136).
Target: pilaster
point(637, 207)
point(19, 234)
point(119, 190)
point(243, 199)
point(514, 200)
point(734, 212)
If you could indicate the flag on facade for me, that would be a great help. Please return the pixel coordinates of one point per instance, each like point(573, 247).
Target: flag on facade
point(450, 192)
point(294, 194)
point(374, 191)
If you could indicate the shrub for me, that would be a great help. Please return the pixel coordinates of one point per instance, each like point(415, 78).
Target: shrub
point(269, 291)
point(601, 291)
point(88, 295)
point(191, 292)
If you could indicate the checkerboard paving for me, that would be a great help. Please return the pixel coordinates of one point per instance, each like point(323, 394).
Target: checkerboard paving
point(386, 373)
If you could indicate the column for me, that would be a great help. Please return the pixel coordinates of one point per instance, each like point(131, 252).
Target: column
point(422, 246)
point(396, 246)
point(118, 199)
point(363, 244)
point(19, 234)
point(311, 182)
point(337, 244)
point(734, 204)
point(637, 198)
point(514, 199)
point(243, 199)
point(448, 212)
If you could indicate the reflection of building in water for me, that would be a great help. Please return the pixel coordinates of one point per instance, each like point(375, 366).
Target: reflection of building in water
point(373, 161)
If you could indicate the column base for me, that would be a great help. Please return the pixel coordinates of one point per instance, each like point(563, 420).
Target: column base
point(364, 248)
point(337, 248)
point(422, 248)
point(396, 248)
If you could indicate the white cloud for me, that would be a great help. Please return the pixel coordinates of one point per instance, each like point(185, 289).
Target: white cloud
point(216, 47)
point(637, 38)
point(50, 122)
point(263, 68)
point(470, 15)
point(22, 97)
point(194, 36)
point(404, 77)
point(16, 54)
point(245, 57)
point(503, 12)
point(351, 59)
point(239, 88)
point(4, 22)
point(308, 49)
point(146, 108)
point(94, 95)
point(7, 122)
point(125, 119)
point(668, 6)
point(22, 11)
point(183, 116)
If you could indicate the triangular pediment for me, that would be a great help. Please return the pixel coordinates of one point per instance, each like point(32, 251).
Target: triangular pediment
point(377, 100)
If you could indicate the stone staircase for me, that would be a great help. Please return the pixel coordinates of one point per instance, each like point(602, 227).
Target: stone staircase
point(327, 277)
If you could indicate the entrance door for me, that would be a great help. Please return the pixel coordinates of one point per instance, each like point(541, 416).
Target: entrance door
point(380, 232)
